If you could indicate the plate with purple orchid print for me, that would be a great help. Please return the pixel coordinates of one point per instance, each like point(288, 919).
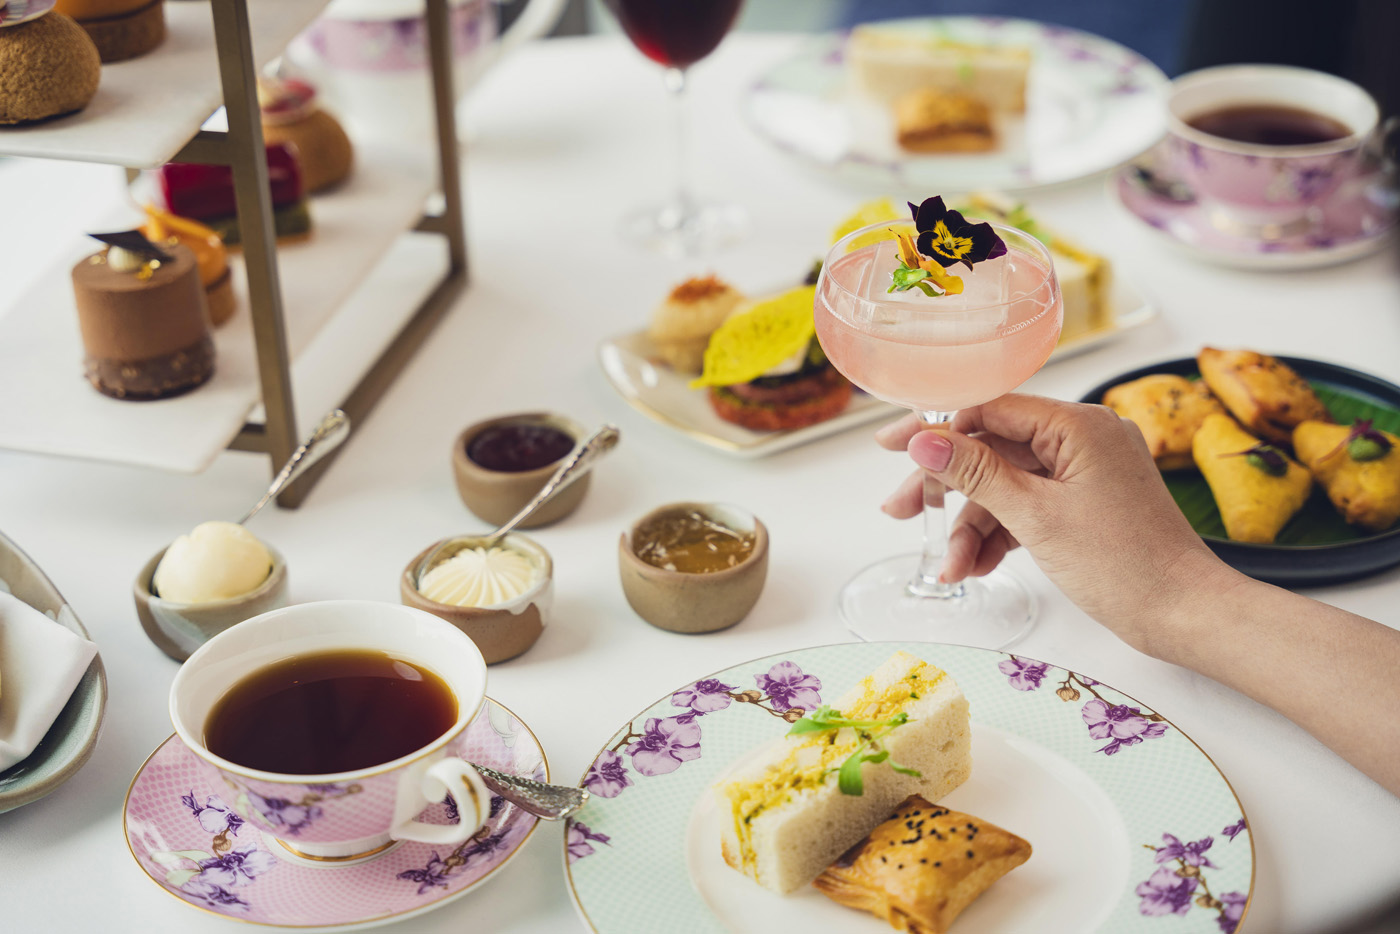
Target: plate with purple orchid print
point(1357, 221)
point(1090, 104)
point(15, 12)
point(184, 835)
point(1134, 829)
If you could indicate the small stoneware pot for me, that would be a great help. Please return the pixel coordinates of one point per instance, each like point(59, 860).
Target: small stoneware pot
point(496, 495)
point(504, 630)
point(178, 629)
point(688, 602)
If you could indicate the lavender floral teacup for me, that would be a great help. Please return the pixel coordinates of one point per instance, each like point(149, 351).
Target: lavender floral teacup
point(347, 815)
point(1265, 190)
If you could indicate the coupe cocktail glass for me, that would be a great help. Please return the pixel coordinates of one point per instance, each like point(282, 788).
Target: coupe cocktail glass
point(936, 355)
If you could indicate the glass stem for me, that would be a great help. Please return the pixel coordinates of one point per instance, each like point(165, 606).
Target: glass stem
point(926, 581)
point(684, 207)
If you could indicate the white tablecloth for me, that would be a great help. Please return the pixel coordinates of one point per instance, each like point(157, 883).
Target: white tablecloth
point(566, 135)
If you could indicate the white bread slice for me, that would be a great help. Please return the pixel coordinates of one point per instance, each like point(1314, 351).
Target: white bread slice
point(887, 63)
point(783, 819)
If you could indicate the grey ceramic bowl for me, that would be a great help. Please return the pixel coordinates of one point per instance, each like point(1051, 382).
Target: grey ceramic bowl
point(70, 741)
point(502, 631)
point(178, 629)
point(693, 603)
point(496, 495)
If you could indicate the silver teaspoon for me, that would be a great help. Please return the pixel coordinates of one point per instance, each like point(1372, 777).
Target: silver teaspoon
point(578, 462)
point(333, 429)
point(550, 802)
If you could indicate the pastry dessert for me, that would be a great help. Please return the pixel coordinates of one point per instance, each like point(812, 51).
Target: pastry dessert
point(1359, 467)
point(48, 67)
point(681, 326)
point(765, 369)
point(209, 253)
point(888, 62)
point(932, 120)
point(291, 115)
point(142, 315)
point(922, 866)
point(216, 561)
point(1086, 278)
point(1256, 486)
point(1168, 409)
point(1267, 397)
point(205, 193)
point(120, 29)
point(801, 802)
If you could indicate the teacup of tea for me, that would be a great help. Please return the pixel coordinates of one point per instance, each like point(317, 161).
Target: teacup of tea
point(335, 724)
point(1263, 145)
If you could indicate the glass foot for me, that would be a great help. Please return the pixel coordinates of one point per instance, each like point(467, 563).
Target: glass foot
point(685, 230)
point(992, 612)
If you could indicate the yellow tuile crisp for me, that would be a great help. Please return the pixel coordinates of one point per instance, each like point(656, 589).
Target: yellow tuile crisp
point(754, 341)
point(871, 212)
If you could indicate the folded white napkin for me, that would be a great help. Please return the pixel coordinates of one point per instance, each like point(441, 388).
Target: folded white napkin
point(41, 663)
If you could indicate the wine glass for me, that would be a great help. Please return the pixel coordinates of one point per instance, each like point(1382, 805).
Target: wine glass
point(676, 34)
point(936, 355)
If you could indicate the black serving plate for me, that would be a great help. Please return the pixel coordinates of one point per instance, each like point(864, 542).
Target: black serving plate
point(1316, 547)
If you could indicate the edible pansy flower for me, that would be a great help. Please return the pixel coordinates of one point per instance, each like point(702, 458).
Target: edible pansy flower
point(949, 238)
point(1364, 442)
point(917, 271)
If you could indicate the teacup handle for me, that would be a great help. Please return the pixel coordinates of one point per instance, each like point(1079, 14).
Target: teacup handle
point(456, 777)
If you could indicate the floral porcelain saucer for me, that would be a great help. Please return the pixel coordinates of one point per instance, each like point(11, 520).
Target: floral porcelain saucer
point(183, 834)
point(1134, 829)
point(1355, 222)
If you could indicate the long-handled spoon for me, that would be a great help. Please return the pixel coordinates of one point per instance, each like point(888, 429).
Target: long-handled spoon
point(551, 802)
point(333, 429)
point(579, 461)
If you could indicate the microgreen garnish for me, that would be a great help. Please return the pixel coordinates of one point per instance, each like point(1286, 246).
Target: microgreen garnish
point(1363, 442)
point(1264, 457)
point(848, 777)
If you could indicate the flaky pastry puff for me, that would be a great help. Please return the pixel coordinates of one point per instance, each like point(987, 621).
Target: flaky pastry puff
point(1365, 492)
point(1267, 397)
point(1254, 503)
point(1168, 409)
point(921, 867)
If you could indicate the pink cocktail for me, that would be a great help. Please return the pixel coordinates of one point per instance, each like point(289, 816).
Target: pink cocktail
point(936, 355)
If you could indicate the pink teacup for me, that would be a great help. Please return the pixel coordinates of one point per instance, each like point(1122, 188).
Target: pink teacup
point(1256, 189)
point(347, 815)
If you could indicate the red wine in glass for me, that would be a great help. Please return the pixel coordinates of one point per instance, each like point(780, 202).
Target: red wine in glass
point(676, 33)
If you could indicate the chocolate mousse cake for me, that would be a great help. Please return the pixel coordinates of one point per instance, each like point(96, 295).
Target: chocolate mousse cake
point(142, 312)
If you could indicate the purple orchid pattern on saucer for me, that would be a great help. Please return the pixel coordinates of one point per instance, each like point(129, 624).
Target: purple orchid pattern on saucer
point(187, 834)
point(1175, 889)
point(1121, 724)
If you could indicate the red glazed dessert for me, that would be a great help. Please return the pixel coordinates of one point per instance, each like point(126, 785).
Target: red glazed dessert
point(205, 193)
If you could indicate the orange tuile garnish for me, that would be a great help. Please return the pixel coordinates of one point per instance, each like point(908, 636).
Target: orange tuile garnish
point(698, 289)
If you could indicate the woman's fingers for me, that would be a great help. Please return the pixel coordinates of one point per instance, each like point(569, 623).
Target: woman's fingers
point(895, 436)
point(907, 501)
point(976, 546)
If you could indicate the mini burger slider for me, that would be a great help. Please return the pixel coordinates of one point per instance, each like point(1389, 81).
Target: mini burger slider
point(766, 371)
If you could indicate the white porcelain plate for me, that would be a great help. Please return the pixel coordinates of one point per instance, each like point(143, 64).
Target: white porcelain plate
point(1134, 829)
point(1090, 105)
point(633, 367)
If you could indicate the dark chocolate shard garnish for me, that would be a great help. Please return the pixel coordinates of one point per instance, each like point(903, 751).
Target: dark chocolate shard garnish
point(133, 241)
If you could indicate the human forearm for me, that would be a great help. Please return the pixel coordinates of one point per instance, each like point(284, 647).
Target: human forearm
point(1287, 651)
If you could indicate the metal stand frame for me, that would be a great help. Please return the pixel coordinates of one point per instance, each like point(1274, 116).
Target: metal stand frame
point(242, 149)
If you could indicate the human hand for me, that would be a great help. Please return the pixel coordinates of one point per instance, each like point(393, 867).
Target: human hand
point(1076, 486)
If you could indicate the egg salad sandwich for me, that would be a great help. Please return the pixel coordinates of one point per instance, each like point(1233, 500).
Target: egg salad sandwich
point(802, 801)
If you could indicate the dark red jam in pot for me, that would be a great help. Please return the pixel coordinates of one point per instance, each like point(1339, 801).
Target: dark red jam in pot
point(513, 448)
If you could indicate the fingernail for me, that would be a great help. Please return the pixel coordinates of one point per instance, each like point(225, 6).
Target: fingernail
point(931, 451)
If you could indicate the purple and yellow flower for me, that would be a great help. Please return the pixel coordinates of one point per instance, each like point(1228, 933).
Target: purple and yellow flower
point(703, 697)
point(917, 271)
point(789, 687)
point(607, 776)
point(1125, 725)
point(664, 745)
point(1166, 893)
point(238, 866)
point(949, 238)
point(1232, 911)
point(1192, 854)
point(578, 840)
point(1234, 830)
point(1024, 675)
